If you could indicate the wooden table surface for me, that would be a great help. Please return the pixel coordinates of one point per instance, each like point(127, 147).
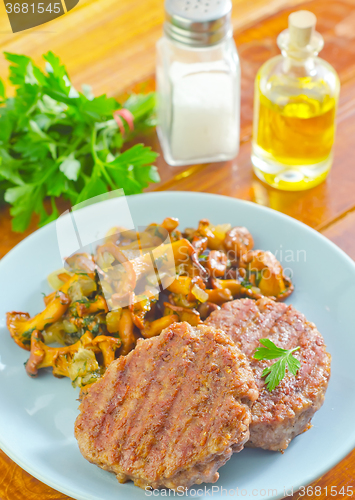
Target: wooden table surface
point(110, 44)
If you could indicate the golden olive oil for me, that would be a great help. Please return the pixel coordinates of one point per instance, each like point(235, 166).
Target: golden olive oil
point(300, 132)
point(295, 104)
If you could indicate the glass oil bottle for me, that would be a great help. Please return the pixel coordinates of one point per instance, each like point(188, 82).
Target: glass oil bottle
point(296, 96)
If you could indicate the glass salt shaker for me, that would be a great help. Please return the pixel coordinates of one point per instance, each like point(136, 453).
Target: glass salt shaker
point(198, 83)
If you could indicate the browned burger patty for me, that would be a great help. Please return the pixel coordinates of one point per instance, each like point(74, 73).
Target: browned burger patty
point(280, 415)
point(171, 412)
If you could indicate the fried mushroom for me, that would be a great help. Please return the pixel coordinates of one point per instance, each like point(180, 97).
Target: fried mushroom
point(238, 242)
point(262, 270)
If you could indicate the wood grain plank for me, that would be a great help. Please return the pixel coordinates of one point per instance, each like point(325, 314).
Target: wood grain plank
point(17, 484)
point(10, 239)
point(342, 233)
point(108, 43)
point(340, 478)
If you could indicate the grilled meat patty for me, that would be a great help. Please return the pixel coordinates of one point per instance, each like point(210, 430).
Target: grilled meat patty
point(280, 415)
point(171, 412)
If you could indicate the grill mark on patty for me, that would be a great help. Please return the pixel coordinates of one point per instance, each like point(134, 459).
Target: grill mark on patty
point(283, 335)
point(280, 415)
point(158, 441)
point(247, 322)
point(189, 426)
point(128, 417)
point(177, 409)
point(164, 408)
point(117, 401)
point(167, 407)
point(265, 321)
point(141, 411)
point(135, 405)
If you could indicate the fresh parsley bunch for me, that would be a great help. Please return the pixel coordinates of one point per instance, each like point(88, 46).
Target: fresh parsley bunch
point(56, 141)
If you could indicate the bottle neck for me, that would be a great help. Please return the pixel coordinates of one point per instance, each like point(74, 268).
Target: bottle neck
point(300, 60)
point(299, 66)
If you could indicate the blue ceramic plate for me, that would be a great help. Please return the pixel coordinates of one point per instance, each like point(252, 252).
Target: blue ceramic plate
point(37, 416)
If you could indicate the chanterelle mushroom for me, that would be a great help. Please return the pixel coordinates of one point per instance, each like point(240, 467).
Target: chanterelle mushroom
point(263, 270)
point(77, 361)
point(21, 325)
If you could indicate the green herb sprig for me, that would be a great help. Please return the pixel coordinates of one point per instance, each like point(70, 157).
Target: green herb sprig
point(276, 372)
point(56, 141)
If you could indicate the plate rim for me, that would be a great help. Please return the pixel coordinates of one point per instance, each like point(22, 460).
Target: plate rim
point(276, 213)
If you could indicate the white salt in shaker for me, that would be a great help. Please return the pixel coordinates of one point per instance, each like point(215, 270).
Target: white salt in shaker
point(198, 83)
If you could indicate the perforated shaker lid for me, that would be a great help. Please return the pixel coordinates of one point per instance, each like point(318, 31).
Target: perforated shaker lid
point(198, 23)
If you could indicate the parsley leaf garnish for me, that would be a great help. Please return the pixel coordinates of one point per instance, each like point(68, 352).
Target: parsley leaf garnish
point(56, 141)
point(276, 372)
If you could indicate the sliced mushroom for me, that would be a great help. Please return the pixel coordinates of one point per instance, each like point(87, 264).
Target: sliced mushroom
point(21, 325)
point(238, 242)
point(184, 314)
point(154, 328)
point(264, 271)
point(91, 307)
point(75, 361)
point(217, 263)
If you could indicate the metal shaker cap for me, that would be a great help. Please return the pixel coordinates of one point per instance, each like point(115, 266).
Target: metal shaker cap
point(198, 23)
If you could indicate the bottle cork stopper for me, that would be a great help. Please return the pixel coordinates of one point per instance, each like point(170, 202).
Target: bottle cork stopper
point(301, 26)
